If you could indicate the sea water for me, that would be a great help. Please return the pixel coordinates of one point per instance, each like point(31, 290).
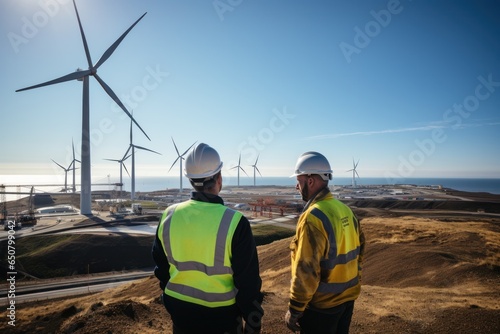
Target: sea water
point(472, 185)
point(47, 183)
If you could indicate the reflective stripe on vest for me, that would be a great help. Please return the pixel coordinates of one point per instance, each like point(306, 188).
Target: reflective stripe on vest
point(333, 258)
point(200, 294)
point(337, 288)
point(218, 267)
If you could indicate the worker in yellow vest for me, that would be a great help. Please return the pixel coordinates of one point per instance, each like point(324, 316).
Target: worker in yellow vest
point(326, 255)
point(206, 257)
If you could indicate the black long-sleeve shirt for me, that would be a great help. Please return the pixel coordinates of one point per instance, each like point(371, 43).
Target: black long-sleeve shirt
point(245, 265)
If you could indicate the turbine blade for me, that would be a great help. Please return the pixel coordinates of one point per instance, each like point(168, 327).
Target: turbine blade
point(239, 160)
point(175, 147)
point(243, 170)
point(257, 160)
point(125, 158)
point(258, 170)
point(117, 100)
point(187, 149)
point(357, 173)
point(85, 45)
point(174, 163)
point(68, 77)
point(112, 160)
point(145, 149)
point(58, 164)
point(125, 167)
point(113, 47)
point(126, 152)
point(131, 138)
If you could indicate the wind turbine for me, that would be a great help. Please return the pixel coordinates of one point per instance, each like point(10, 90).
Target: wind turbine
point(122, 165)
point(75, 160)
point(83, 75)
point(180, 157)
point(66, 170)
point(131, 148)
point(354, 172)
point(255, 168)
point(239, 167)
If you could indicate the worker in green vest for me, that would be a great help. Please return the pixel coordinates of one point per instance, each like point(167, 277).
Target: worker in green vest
point(326, 255)
point(206, 257)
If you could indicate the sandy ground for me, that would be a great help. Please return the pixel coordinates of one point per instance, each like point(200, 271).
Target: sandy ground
point(420, 275)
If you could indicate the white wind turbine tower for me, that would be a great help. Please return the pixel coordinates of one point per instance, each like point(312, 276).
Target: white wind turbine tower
point(255, 168)
point(239, 167)
point(180, 157)
point(131, 148)
point(354, 172)
point(122, 165)
point(83, 75)
point(73, 162)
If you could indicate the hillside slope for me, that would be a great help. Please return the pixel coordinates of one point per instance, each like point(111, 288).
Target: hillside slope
point(420, 276)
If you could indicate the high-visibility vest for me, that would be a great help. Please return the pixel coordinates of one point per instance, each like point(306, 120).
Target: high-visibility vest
point(340, 271)
point(342, 228)
point(196, 237)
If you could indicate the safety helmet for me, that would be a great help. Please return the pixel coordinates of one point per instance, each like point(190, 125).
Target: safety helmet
point(202, 162)
point(313, 163)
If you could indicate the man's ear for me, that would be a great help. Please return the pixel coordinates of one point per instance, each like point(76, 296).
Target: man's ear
point(310, 181)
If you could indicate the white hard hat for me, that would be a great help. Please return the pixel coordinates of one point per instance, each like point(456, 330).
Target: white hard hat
point(202, 162)
point(313, 163)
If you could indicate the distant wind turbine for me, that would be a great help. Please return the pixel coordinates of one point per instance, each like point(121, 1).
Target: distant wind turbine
point(122, 166)
point(354, 172)
point(180, 157)
point(239, 167)
point(66, 170)
point(131, 149)
point(73, 162)
point(255, 168)
point(83, 75)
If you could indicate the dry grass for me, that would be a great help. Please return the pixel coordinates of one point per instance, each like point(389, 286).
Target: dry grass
point(420, 276)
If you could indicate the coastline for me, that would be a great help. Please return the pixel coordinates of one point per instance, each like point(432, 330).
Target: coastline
point(425, 261)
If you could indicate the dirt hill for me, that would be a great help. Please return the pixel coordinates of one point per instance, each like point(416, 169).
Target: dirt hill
point(420, 276)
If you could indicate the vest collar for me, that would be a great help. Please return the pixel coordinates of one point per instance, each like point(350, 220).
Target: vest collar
point(206, 197)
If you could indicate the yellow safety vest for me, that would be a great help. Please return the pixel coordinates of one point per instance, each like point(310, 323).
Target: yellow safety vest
point(196, 237)
point(342, 263)
point(340, 272)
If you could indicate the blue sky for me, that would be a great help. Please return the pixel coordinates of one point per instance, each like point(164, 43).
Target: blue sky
point(408, 88)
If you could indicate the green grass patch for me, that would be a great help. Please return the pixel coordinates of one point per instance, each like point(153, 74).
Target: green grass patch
point(39, 245)
point(265, 234)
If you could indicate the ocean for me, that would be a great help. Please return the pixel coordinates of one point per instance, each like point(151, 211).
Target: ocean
point(473, 185)
point(42, 183)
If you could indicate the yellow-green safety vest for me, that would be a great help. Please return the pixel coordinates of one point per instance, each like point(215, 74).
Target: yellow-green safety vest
point(196, 237)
